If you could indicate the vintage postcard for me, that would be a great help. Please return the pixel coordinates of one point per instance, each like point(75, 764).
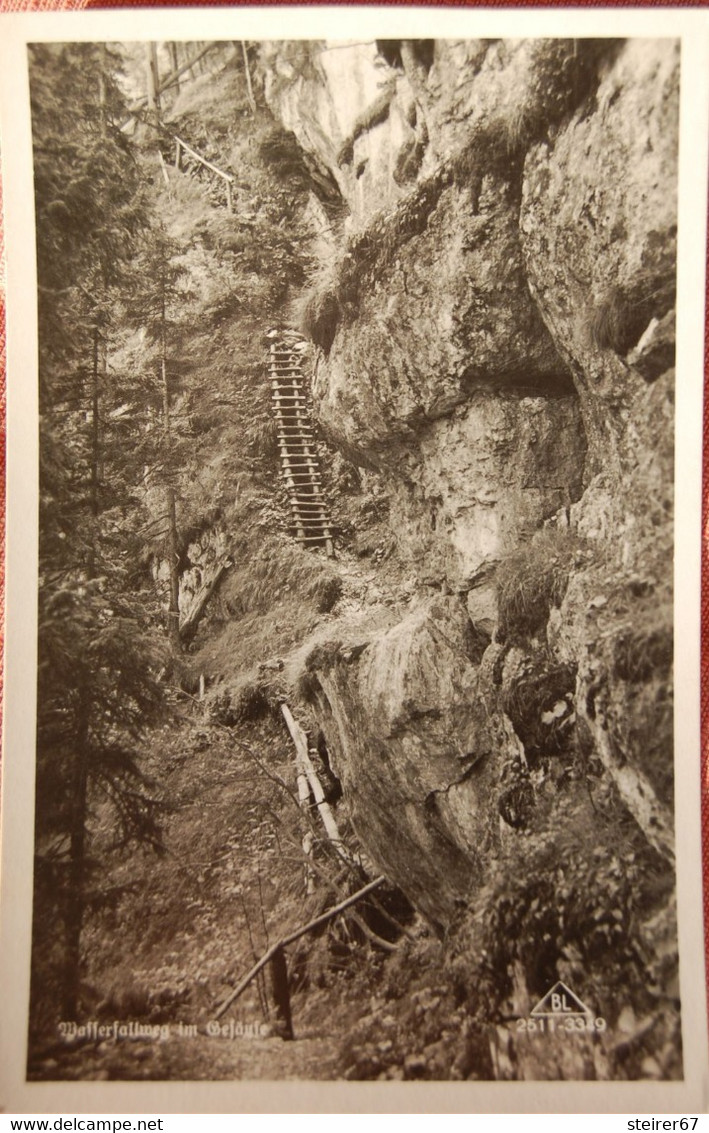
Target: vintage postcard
point(352, 716)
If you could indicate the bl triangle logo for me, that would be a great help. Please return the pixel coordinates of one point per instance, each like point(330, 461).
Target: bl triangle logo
point(560, 1000)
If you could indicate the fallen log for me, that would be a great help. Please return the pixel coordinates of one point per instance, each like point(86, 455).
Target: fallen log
point(304, 800)
point(329, 821)
point(190, 621)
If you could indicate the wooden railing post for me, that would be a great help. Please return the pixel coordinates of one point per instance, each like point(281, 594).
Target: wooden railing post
point(291, 938)
point(281, 993)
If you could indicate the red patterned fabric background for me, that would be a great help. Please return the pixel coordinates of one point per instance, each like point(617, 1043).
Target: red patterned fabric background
point(73, 5)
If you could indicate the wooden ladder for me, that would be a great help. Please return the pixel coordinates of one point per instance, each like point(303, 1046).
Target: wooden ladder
point(300, 466)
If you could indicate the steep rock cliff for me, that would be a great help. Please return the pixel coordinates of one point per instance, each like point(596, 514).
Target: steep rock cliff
point(496, 338)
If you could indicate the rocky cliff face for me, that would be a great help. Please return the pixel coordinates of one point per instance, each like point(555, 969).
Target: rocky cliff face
point(496, 338)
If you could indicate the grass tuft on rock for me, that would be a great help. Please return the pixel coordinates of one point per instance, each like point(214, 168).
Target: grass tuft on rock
point(533, 580)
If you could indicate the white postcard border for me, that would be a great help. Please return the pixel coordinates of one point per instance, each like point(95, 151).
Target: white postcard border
point(16, 1094)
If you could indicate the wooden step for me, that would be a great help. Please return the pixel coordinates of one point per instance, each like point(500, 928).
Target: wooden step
point(310, 515)
point(301, 449)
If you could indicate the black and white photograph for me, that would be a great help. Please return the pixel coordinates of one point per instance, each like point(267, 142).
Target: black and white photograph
point(355, 750)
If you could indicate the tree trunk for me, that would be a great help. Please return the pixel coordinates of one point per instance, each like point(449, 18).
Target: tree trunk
point(95, 439)
point(167, 82)
point(173, 551)
point(292, 937)
point(102, 90)
point(304, 801)
point(152, 80)
point(74, 904)
point(188, 625)
point(74, 898)
point(249, 88)
point(163, 168)
point(281, 993)
point(300, 740)
point(173, 613)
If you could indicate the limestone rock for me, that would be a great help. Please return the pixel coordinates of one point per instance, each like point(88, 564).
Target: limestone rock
point(451, 315)
point(599, 227)
point(409, 729)
point(504, 360)
point(486, 476)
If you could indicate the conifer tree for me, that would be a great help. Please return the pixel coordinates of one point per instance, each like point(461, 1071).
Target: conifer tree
point(154, 306)
point(95, 691)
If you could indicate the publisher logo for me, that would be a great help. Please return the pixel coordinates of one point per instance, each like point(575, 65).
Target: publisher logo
point(561, 1010)
point(560, 1000)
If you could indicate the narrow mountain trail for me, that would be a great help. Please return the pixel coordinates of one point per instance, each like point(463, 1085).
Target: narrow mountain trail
point(312, 1055)
point(364, 608)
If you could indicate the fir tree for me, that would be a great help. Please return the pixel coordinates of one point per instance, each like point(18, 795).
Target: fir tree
point(95, 691)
